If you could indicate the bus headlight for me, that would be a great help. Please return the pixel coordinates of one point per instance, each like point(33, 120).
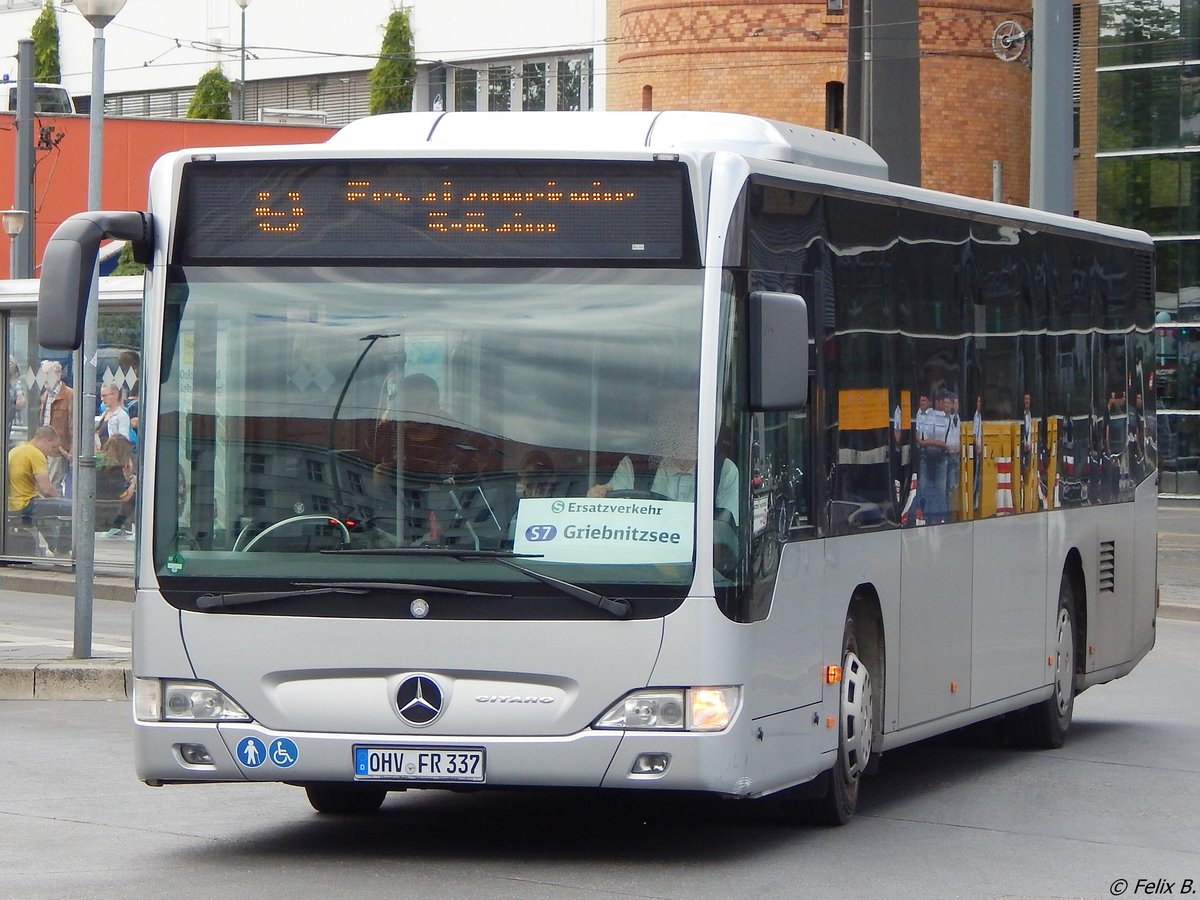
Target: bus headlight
point(673, 709)
point(183, 701)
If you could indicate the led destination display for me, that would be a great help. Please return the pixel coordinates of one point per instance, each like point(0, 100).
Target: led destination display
point(382, 211)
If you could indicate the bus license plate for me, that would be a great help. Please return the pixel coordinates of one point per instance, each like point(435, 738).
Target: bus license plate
point(418, 764)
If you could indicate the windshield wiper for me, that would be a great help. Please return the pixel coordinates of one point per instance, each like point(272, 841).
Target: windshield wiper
point(313, 588)
point(613, 605)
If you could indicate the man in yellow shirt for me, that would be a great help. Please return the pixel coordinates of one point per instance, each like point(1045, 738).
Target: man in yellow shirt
point(32, 493)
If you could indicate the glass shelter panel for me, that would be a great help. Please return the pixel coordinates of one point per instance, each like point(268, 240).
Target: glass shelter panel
point(41, 394)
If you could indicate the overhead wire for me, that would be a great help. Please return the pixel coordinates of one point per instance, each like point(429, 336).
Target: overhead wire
point(435, 56)
point(497, 54)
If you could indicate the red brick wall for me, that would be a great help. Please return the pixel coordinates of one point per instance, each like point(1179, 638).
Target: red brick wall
point(974, 107)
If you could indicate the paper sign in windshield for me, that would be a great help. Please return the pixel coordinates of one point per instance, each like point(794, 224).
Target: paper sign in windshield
point(595, 530)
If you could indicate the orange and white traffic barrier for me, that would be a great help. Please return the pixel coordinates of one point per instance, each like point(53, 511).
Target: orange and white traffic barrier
point(912, 497)
point(1004, 494)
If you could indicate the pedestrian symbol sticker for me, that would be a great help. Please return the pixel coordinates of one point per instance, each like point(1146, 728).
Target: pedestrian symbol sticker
point(284, 753)
point(251, 752)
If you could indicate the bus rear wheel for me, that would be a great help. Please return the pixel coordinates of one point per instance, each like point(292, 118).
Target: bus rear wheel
point(345, 800)
point(1044, 725)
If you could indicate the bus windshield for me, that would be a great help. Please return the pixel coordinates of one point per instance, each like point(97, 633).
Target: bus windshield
point(307, 412)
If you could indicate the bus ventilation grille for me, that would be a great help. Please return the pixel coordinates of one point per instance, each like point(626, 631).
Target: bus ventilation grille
point(1108, 566)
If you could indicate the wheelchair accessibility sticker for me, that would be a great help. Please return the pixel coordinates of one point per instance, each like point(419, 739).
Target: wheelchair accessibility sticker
point(283, 753)
point(252, 753)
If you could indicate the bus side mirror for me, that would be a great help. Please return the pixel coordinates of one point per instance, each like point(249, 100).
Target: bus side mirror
point(778, 343)
point(67, 267)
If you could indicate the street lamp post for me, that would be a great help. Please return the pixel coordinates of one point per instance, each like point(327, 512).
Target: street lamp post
point(242, 79)
point(98, 14)
point(14, 224)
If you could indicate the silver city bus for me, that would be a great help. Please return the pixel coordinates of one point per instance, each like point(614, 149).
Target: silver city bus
point(658, 451)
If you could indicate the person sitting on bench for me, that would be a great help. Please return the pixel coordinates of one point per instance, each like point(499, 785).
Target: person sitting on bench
point(31, 492)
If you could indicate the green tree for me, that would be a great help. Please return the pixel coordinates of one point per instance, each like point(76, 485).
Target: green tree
point(126, 265)
point(211, 100)
point(46, 67)
point(393, 76)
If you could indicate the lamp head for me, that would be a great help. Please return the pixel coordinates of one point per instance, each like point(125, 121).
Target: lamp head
point(14, 221)
point(99, 12)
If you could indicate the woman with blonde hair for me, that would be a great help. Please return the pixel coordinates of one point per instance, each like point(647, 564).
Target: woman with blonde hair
point(116, 479)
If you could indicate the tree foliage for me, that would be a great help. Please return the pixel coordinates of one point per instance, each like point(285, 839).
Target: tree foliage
point(211, 100)
point(393, 76)
point(126, 265)
point(46, 66)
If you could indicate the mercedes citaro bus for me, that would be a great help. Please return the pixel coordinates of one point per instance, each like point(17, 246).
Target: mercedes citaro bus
point(665, 451)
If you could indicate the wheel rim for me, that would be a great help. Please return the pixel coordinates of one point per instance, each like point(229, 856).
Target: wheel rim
point(1064, 664)
point(858, 717)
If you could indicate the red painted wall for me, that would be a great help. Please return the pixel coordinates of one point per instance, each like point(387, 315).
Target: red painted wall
point(131, 147)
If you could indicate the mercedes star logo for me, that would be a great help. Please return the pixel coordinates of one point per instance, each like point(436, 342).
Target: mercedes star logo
point(419, 700)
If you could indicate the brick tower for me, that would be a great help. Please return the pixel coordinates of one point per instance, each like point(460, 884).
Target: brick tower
point(788, 61)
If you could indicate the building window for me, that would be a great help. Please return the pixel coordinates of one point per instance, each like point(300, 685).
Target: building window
point(547, 83)
point(466, 90)
point(315, 470)
point(835, 107)
point(499, 88)
point(575, 84)
point(533, 86)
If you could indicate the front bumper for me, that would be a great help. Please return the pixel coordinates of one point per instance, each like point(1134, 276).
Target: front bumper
point(709, 762)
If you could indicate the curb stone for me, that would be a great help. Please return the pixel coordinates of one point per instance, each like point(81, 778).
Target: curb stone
point(91, 679)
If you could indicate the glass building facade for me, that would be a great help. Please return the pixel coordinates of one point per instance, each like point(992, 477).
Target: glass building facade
point(1148, 177)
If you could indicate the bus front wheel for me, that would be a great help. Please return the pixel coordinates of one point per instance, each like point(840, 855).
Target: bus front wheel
point(345, 800)
point(856, 740)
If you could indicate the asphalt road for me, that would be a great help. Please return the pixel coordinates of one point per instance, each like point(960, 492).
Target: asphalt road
point(1179, 552)
point(948, 818)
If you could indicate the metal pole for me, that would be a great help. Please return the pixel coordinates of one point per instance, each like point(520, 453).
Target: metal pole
point(85, 386)
point(868, 73)
point(242, 82)
point(23, 243)
point(1051, 185)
